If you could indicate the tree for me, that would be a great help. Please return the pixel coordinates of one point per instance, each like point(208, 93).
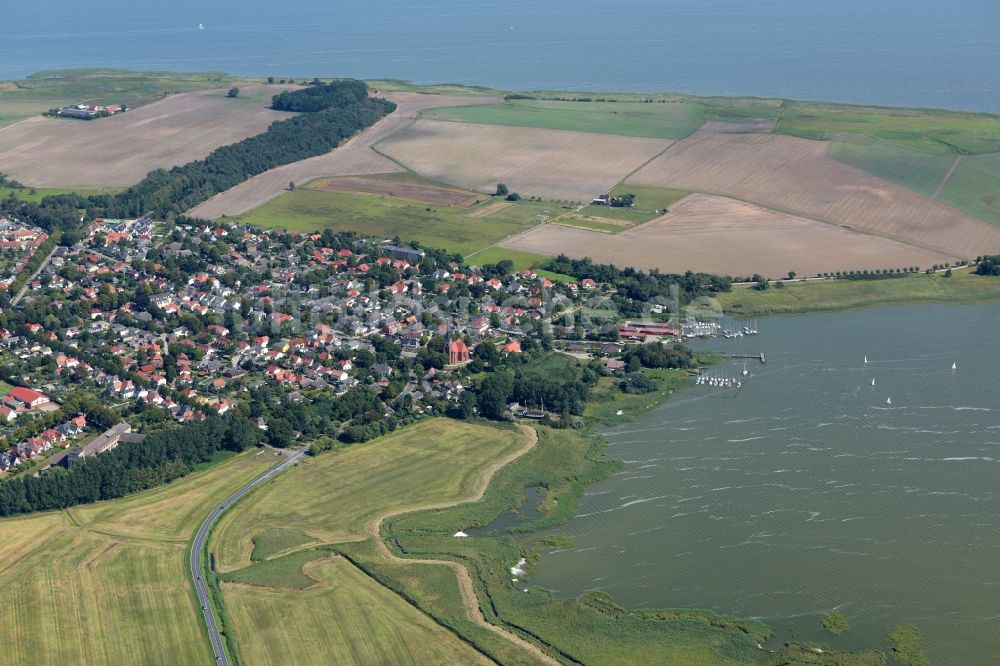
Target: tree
point(493, 395)
point(466, 405)
point(513, 196)
point(791, 275)
point(501, 190)
point(233, 92)
point(291, 186)
point(270, 79)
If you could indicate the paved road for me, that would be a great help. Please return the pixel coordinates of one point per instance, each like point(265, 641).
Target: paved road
point(23, 290)
point(199, 546)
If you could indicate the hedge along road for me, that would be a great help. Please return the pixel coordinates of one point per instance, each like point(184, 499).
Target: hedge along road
point(198, 546)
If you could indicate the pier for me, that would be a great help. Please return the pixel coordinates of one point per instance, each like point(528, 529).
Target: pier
point(758, 357)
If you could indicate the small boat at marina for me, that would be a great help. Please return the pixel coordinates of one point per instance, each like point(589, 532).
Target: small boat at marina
point(745, 372)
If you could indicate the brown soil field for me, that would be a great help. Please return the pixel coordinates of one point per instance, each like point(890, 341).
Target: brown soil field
point(551, 164)
point(398, 185)
point(489, 209)
point(795, 175)
point(355, 157)
point(720, 235)
point(119, 151)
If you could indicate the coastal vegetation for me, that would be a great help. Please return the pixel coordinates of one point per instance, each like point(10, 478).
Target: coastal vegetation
point(907, 646)
point(836, 623)
point(829, 295)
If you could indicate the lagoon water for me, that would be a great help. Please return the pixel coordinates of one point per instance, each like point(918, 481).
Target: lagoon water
point(803, 492)
point(941, 53)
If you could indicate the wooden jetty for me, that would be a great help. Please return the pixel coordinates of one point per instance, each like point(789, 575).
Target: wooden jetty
point(756, 357)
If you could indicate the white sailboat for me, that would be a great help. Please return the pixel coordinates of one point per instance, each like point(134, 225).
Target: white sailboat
point(866, 360)
point(888, 402)
point(873, 382)
point(201, 26)
point(954, 366)
point(745, 373)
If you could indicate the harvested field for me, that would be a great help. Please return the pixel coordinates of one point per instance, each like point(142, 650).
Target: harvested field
point(352, 158)
point(119, 151)
point(720, 235)
point(108, 583)
point(796, 175)
point(399, 185)
point(345, 618)
point(552, 164)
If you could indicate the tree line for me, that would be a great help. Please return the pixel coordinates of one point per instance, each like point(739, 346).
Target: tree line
point(130, 467)
point(639, 285)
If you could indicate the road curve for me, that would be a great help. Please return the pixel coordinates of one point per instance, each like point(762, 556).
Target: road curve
point(198, 546)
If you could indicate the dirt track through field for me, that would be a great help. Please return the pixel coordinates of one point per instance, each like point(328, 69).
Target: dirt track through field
point(468, 590)
point(796, 175)
point(558, 165)
point(947, 177)
point(120, 150)
point(355, 157)
point(721, 235)
point(398, 185)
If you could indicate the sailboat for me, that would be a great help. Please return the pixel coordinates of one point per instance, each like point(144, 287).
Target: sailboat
point(888, 402)
point(866, 360)
point(745, 373)
point(954, 366)
point(201, 26)
point(873, 382)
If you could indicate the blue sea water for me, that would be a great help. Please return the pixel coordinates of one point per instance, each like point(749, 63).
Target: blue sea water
point(936, 53)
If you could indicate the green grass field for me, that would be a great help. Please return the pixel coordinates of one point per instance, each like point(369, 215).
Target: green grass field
point(661, 121)
point(521, 260)
point(452, 229)
point(941, 132)
point(44, 90)
point(108, 583)
point(345, 618)
point(433, 461)
point(829, 295)
point(975, 187)
point(918, 170)
point(5, 388)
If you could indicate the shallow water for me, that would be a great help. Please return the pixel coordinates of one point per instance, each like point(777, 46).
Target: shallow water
point(897, 52)
point(803, 492)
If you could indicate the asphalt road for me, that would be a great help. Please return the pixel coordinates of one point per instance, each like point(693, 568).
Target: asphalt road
point(199, 546)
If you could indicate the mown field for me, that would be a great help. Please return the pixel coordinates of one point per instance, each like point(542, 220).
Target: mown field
point(655, 120)
point(796, 176)
point(344, 618)
point(828, 295)
point(108, 583)
point(728, 237)
point(551, 164)
point(435, 461)
point(120, 150)
point(453, 229)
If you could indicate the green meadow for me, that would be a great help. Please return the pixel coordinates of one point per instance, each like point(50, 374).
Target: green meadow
point(452, 229)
